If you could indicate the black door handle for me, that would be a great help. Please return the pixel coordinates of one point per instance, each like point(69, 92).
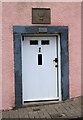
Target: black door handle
point(56, 60)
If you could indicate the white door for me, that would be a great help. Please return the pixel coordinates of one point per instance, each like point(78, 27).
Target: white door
point(39, 71)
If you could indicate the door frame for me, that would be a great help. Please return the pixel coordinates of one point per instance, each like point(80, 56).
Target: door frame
point(18, 34)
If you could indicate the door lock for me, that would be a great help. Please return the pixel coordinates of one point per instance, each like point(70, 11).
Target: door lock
point(56, 60)
point(56, 65)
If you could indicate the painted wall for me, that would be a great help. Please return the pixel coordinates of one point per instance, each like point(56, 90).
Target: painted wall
point(42, 1)
point(0, 56)
point(62, 14)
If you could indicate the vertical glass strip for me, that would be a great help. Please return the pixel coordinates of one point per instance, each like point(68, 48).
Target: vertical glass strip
point(39, 59)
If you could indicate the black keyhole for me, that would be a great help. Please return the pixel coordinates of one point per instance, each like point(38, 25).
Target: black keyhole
point(39, 49)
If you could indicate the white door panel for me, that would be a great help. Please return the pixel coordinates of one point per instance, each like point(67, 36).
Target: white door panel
point(39, 81)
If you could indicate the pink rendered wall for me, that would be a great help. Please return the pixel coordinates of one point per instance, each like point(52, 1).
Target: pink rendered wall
point(0, 55)
point(62, 14)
